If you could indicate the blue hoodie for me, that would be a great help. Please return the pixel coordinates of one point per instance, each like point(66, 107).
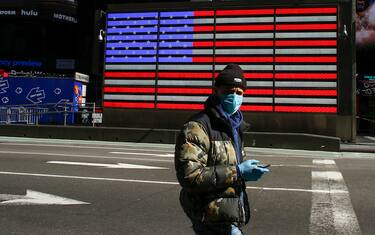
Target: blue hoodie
point(235, 122)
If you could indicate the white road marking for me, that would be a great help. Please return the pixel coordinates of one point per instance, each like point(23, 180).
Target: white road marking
point(86, 142)
point(323, 162)
point(164, 182)
point(144, 159)
point(118, 165)
point(144, 154)
point(299, 190)
point(370, 138)
point(169, 148)
point(82, 156)
point(87, 178)
point(291, 165)
point(36, 198)
point(332, 212)
point(130, 158)
point(133, 158)
point(87, 147)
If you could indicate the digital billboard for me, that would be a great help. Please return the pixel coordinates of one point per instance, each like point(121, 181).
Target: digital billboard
point(169, 59)
point(365, 42)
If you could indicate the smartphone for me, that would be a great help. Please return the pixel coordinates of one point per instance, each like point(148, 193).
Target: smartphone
point(264, 166)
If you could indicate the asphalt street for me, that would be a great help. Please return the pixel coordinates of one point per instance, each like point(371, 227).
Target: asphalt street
point(91, 187)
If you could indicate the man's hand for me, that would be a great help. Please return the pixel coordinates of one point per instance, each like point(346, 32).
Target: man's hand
point(250, 171)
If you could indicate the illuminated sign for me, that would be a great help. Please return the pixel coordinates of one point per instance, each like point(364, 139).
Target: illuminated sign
point(20, 63)
point(63, 17)
point(169, 59)
point(366, 85)
point(7, 12)
point(19, 12)
point(29, 13)
point(38, 13)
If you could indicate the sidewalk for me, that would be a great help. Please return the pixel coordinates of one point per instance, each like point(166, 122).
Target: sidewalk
point(300, 141)
point(364, 143)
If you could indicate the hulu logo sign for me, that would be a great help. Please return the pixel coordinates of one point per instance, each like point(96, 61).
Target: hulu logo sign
point(29, 13)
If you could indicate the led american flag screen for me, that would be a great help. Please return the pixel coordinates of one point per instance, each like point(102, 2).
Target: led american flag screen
point(169, 59)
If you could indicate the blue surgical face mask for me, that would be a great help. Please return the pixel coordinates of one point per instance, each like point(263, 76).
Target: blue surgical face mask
point(231, 102)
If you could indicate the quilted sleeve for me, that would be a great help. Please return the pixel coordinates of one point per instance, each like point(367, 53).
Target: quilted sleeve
point(191, 153)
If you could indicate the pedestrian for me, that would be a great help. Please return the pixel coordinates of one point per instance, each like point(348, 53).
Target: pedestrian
point(209, 160)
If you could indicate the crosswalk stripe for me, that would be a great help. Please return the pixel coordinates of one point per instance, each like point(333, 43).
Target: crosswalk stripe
point(331, 213)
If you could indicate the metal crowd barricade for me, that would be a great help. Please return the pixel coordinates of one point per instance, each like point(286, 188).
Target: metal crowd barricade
point(10, 114)
point(3, 115)
point(33, 114)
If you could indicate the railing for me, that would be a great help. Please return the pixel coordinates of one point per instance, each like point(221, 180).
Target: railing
point(51, 113)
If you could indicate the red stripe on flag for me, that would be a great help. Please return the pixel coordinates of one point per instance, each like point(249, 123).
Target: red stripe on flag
point(203, 44)
point(259, 92)
point(221, 28)
point(258, 75)
point(129, 74)
point(306, 27)
point(244, 59)
point(187, 75)
point(184, 90)
point(306, 76)
point(259, 108)
point(265, 43)
point(244, 12)
point(129, 90)
point(290, 11)
point(306, 59)
point(307, 92)
point(297, 43)
point(203, 13)
point(304, 109)
point(179, 106)
point(203, 28)
point(108, 104)
point(203, 59)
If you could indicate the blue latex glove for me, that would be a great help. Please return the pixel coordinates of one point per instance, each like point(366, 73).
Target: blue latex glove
point(250, 171)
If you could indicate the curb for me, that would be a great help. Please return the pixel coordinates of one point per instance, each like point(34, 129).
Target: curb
point(299, 141)
point(363, 148)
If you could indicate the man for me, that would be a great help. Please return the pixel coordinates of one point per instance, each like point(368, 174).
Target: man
point(209, 160)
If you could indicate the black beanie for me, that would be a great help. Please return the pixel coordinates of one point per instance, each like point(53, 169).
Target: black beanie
point(231, 75)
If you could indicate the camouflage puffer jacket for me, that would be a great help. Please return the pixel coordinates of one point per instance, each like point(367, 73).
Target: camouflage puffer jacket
point(205, 163)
